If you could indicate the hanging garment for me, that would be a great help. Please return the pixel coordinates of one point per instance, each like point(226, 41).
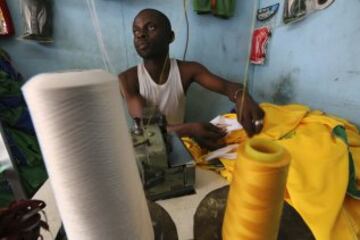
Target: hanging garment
point(168, 97)
point(296, 10)
point(324, 174)
point(220, 8)
point(6, 25)
point(37, 16)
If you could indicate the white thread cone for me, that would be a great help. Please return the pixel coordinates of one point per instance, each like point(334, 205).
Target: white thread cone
point(79, 120)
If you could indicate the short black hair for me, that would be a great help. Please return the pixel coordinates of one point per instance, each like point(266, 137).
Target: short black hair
point(159, 14)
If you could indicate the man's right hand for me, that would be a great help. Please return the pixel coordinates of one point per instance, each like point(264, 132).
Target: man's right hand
point(206, 134)
point(205, 130)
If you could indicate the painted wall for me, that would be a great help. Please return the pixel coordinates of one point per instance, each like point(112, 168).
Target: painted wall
point(218, 44)
point(315, 61)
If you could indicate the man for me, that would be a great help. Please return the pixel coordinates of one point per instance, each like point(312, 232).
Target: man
point(163, 82)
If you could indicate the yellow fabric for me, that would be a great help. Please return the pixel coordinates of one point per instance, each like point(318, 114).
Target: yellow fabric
point(318, 175)
point(196, 151)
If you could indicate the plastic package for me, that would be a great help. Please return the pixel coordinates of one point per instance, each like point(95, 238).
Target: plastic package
point(266, 13)
point(296, 10)
point(6, 25)
point(259, 43)
point(37, 16)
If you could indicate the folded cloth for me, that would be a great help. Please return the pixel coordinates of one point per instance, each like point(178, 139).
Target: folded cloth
point(228, 152)
point(227, 122)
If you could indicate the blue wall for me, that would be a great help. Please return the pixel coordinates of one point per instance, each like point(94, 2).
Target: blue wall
point(315, 61)
point(219, 44)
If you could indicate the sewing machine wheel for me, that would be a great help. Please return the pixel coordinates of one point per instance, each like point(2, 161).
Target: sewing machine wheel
point(209, 217)
point(164, 227)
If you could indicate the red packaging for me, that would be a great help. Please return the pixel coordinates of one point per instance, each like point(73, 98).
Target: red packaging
point(6, 25)
point(259, 42)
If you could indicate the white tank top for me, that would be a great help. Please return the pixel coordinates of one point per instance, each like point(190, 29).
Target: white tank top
point(169, 97)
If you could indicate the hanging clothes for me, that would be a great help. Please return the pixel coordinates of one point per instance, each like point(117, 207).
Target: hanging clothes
point(324, 175)
point(220, 8)
point(38, 17)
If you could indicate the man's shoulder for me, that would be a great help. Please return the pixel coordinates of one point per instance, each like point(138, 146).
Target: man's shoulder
point(128, 74)
point(189, 65)
point(190, 68)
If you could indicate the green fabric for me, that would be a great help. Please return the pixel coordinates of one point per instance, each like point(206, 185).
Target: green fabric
point(4, 55)
point(18, 132)
point(28, 145)
point(11, 115)
point(33, 177)
point(9, 87)
point(352, 190)
point(224, 8)
point(6, 196)
point(202, 6)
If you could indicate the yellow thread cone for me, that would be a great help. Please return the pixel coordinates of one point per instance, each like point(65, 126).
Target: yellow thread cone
point(256, 194)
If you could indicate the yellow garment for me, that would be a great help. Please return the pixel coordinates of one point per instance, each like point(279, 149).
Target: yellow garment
point(319, 172)
point(196, 151)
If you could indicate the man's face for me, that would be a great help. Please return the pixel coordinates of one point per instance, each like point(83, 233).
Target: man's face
point(151, 38)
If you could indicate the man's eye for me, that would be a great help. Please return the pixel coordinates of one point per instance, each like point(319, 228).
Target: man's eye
point(152, 28)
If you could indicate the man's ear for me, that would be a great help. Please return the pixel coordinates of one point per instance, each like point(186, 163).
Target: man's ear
point(172, 38)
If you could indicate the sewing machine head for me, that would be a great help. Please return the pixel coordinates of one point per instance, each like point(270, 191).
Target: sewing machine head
point(166, 168)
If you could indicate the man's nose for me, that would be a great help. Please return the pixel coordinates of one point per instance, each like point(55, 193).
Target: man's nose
point(141, 34)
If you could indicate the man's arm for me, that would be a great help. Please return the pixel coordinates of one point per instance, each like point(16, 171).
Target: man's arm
point(206, 133)
point(250, 111)
point(129, 88)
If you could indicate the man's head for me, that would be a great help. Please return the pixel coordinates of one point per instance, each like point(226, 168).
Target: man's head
point(152, 33)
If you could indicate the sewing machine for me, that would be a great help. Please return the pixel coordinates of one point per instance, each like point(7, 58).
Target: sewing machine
point(166, 168)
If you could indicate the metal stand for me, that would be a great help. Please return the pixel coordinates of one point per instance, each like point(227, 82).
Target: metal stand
point(164, 227)
point(208, 219)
